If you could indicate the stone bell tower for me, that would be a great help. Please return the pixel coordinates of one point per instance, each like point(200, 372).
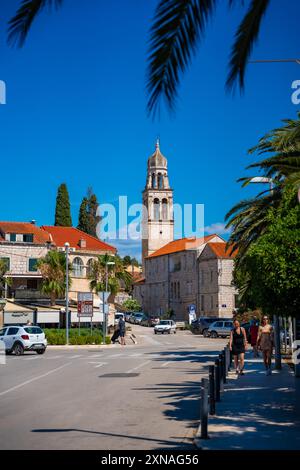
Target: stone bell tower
point(158, 218)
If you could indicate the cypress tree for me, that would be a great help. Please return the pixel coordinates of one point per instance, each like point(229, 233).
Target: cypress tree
point(62, 210)
point(88, 219)
point(83, 219)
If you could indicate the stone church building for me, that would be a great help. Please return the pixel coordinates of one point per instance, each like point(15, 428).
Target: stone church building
point(179, 273)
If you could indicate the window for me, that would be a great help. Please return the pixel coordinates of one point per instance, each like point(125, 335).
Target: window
point(28, 238)
point(218, 324)
point(211, 302)
point(202, 277)
point(13, 237)
point(33, 330)
point(165, 209)
point(202, 303)
point(178, 290)
point(32, 264)
point(228, 324)
point(12, 331)
point(153, 180)
point(156, 209)
point(160, 181)
point(189, 286)
point(175, 290)
point(77, 267)
point(89, 267)
point(6, 262)
point(211, 276)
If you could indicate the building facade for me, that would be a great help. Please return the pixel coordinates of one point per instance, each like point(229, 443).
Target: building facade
point(188, 272)
point(23, 244)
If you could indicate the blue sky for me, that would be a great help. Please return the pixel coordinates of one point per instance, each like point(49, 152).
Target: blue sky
point(76, 101)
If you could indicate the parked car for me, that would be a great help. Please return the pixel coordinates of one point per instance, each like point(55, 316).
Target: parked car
point(165, 326)
point(132, 317)
point(18, 339)
point(200, 325)
point(139, 317)
point(119, 315)
point(127, 316)
point(220, 328)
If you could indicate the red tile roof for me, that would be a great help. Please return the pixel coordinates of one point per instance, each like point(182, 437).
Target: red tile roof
point(61, 235)
point(181, 245)
point(39, 235)
point(221, 250)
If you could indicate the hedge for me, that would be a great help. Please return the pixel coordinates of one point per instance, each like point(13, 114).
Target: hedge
point(58, 336)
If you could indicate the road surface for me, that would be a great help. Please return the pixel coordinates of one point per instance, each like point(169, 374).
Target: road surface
point(143, 396)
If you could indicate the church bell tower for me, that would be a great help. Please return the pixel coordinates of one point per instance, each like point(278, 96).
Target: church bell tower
point(158, 218)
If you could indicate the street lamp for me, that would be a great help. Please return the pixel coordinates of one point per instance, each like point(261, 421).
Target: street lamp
point(67, 246)
point(264, 179)
point(104, 300)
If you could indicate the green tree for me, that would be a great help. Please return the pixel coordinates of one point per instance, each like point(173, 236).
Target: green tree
point(62, 210)
point(3, 271)
point(83, 219)
point(88, 218)
point(269, 276)
point(132, 305)
point(117, 276)
point(249, 218)
point(53, 270)
point(128, 261)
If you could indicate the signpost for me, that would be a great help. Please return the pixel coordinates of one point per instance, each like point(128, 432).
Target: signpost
point(192, 313)
point(103, 295)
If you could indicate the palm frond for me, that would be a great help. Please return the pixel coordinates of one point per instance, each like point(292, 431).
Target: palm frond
point(20, 24)
point(245, 38)
point(178, 26)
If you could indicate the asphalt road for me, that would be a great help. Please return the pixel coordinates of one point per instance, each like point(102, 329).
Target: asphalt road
point(143, 396)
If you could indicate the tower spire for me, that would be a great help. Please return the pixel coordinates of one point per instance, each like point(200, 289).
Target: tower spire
point(157, 143)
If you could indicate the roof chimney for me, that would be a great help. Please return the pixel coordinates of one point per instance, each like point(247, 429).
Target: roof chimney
point(32, 222)
point(82, 243)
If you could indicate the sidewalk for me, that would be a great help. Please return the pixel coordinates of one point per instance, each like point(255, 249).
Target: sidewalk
point(256, 411)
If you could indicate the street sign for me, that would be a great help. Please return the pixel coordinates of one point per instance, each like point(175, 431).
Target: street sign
point(104, 295)
point(85, 304)
point(192, 313)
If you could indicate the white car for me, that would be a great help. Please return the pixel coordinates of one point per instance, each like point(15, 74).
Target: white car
point(119, 315)
point(165, 326)
point(18, 339)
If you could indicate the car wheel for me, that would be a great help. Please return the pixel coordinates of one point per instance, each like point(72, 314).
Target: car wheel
point(174, 332)
point(205, 333)
point(40, 351)
point(18, 349)
point(213, 334)
point(155, 332)
point(169, 332)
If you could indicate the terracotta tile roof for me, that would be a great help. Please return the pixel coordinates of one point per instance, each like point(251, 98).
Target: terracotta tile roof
point(220, 250)
point(39, 235)
point(181, 245)
point(61, 235)
point(140, 281)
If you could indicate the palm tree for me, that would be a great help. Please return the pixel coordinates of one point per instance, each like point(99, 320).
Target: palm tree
point(249, 218)
point(117, 276)
point(53, 270)
point(3, 270)
point(178, 27)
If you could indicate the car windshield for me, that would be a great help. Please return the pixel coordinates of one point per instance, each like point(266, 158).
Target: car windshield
point(2, 332)
point(33, 330)
point(164, 322)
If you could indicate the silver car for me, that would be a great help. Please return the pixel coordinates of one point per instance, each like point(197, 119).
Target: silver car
point(18, 339)
point(220, 328)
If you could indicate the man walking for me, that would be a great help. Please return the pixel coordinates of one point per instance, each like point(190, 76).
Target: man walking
point(122, 330)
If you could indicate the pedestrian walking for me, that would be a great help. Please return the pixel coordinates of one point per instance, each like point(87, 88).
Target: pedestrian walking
point(265, 342)
point(238, 345)
point(253, 336)
point(116, 334)
point(122, 330)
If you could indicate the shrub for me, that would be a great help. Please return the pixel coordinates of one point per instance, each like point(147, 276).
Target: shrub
point(58, 336)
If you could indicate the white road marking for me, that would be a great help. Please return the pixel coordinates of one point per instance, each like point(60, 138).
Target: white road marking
point(166, 363)
point(54, 357)
point(76, 356)
point(30, 358)
point(114, 355)
point(34, 379)
point(99, 364)
point(138, 367)
point(135, 355)
point(94, 356)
